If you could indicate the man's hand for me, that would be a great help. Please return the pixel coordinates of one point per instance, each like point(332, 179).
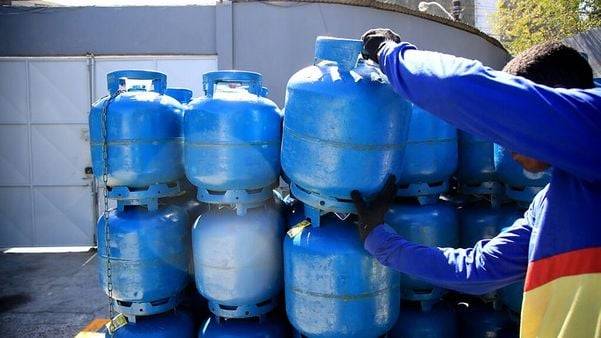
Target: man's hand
point(373, 41)
point(371, 214)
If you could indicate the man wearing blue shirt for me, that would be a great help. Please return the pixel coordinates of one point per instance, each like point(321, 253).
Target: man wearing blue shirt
point(544, 107)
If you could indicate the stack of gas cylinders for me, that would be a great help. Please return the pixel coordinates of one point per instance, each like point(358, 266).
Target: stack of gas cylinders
point(143, 243)
point(194, 182)
point(232, 140)
point(344, 129)
point(493, 192)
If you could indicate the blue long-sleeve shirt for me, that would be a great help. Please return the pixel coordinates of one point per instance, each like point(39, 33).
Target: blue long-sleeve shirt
point(489, 265)
point(558, 242)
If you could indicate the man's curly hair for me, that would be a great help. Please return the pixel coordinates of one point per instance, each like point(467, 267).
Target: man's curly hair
point(553, 64)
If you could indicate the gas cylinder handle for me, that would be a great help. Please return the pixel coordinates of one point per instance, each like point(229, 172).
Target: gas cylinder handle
point(345, 52)
point(118, 79)
point(184, 95)
point(254, 81)
point(264, 91)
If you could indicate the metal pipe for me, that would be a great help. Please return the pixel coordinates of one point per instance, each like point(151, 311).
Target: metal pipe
point(424, 6)
point(93, 184)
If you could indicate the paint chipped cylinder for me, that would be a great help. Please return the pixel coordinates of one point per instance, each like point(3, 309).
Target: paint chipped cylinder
point(149, 253)
point(143, 131)
point(333, 287)
point(344, 127)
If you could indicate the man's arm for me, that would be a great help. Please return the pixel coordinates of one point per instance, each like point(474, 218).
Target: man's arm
point(559, 126)
point(489, 265)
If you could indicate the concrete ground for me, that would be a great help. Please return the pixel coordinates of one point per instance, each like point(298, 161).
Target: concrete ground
point(49, 295)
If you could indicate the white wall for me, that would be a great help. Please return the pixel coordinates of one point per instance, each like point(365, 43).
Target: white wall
point(46, 199)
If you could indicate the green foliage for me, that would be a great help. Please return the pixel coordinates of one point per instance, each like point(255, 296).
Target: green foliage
point(520, 24)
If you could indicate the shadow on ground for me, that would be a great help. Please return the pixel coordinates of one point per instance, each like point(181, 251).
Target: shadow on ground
point(49, 295)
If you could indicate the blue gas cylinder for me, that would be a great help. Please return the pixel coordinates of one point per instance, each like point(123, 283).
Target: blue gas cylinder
point(439, 322)
point(166, 325)
point(187, 200)
point(433, 225)
point(509, 214)
point(520, 184)
point(344, 127)
point(189, 203)
point(232, 139)
point(238, 260)
point(182, 95)
point(479, 220)
point(481, 321)
point(149, 253)
point(476, 167)
point(333, 287)
point(143, 131)
point(430, 156)
point(193, 209)
point(244, 328)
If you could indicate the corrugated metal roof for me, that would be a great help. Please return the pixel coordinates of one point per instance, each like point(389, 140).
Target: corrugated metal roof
point(588, 42)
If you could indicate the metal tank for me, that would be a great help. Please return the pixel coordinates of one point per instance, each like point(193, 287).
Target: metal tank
point(333, 287)
point(244, 328)
point(182, 95)
point(189, 203)
point(238, 260)
point(476, 167)
point(430, 157)
point(520, 184)
point(143, 131)
point(478, 220)
point(481, 321)
point(193, 209)
point(509, 214)
point(232, 139)
point(433, 225)
point(149, 251)
point(168, 325)
point(439, 322)
point(344, 127)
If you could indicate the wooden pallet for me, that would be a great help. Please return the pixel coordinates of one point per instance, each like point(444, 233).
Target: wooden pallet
point(94, 329)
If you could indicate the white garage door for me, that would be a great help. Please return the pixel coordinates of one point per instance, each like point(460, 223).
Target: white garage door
point(46, 196)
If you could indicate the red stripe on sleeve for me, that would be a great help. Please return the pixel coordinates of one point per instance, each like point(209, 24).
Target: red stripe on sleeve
point(571, 263)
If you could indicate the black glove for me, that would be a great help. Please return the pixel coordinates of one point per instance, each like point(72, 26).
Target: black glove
point(371, 214)
point(373, 41)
